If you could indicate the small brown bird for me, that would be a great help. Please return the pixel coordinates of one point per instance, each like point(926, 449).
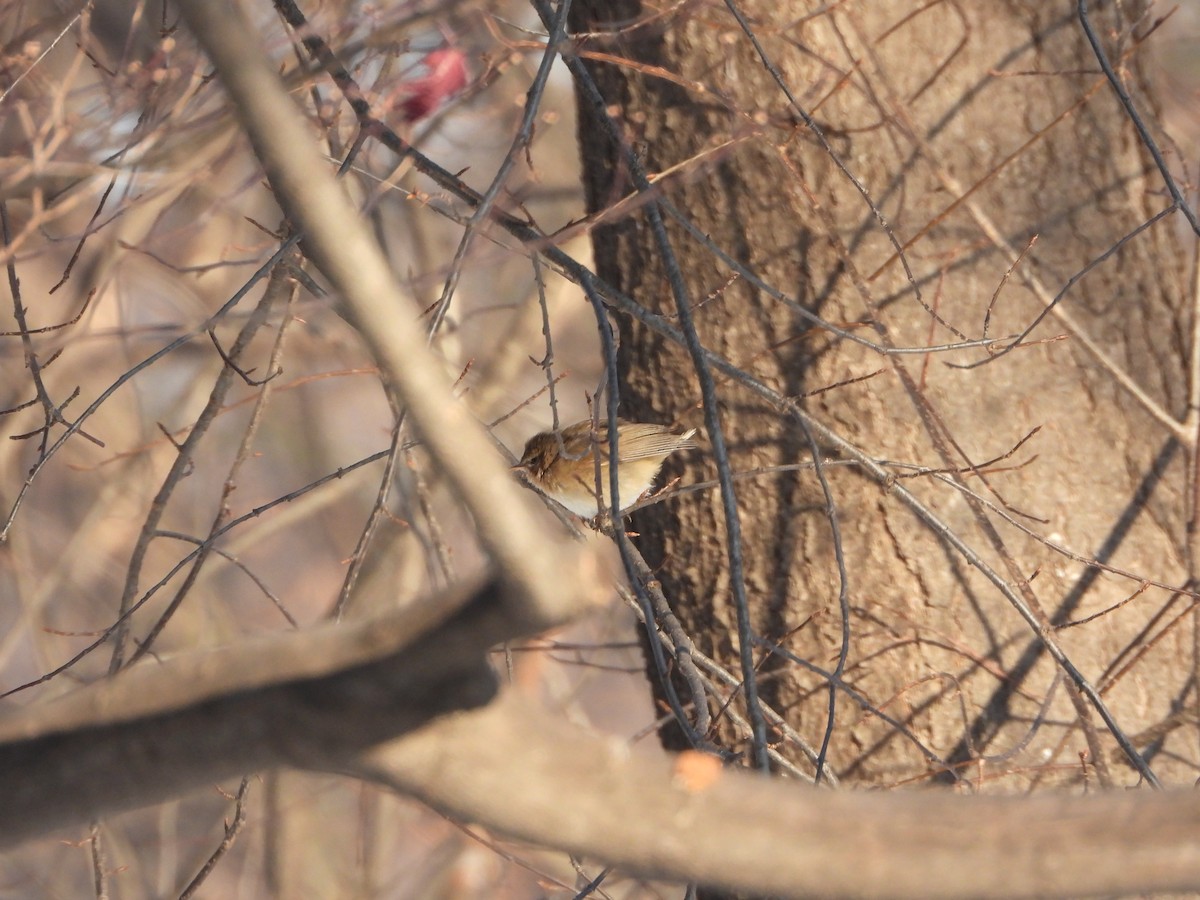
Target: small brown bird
point(562, 466)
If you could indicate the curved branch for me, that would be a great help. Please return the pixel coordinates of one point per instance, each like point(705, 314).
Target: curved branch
point(516, 769)
point(545, 564)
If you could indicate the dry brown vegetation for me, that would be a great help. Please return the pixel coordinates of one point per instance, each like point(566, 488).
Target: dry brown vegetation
point(933, 307)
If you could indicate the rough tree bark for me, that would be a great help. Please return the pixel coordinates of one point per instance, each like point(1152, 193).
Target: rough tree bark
point(975, 127)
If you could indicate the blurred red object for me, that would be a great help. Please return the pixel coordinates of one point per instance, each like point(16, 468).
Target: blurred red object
point(417, 98)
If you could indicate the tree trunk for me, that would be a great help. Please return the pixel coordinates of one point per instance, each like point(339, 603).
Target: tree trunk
point(975, 128)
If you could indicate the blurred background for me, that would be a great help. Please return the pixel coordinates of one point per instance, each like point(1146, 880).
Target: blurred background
point(134, 214)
